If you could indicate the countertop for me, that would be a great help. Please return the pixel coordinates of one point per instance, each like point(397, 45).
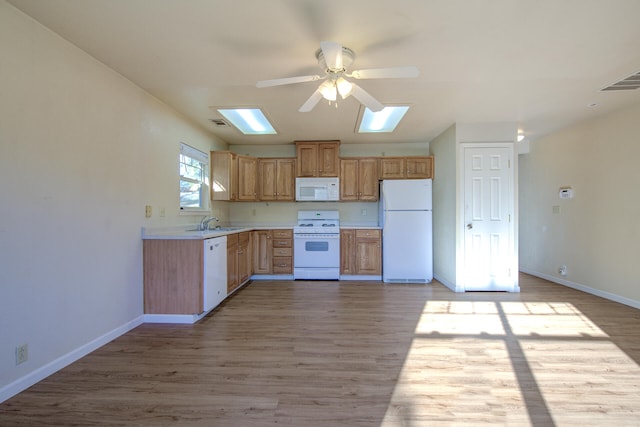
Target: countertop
point(187, 232)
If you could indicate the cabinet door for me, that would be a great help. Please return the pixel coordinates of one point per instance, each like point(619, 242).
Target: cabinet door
point(419, 167)
point(347, 247)
point(267, 183)
point(224, 175)
point(232, 262)
point(328, 159)
point(392, 168)
point(244, 257)
point(307, 159)
point(368, 252)
point(262, 251)
point(247, 174)
point(286, 179)
point(349, 179)
point(368, 180)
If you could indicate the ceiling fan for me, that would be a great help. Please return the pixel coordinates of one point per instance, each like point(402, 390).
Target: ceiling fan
point(335, 59)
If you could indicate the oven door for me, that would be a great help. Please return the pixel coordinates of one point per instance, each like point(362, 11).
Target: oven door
point(316, 250)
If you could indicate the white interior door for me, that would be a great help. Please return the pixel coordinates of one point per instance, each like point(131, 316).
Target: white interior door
point(488, 213)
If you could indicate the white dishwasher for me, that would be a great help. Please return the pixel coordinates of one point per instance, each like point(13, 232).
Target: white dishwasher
point(215, 271)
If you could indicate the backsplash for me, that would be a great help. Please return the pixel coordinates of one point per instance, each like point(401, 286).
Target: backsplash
point(285, 213)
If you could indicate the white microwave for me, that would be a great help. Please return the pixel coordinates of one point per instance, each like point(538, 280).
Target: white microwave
point(317, 189)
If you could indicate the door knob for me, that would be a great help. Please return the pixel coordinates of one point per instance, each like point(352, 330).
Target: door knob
point(469, 226)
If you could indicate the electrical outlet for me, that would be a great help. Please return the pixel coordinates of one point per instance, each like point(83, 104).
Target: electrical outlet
point(147, 211)
point(22, 353)
point(562, 270)
point(363, 212)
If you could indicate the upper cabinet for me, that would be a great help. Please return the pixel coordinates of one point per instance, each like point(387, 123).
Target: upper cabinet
point(276, 179)
point(224, 175)
point(359, 179)
point(247, 182)
point(416, 167)
point(317, 158)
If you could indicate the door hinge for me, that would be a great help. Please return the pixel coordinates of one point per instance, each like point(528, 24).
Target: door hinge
point(509, 217)
point(509, 164)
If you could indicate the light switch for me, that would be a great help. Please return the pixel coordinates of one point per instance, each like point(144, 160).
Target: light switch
point(147, 211)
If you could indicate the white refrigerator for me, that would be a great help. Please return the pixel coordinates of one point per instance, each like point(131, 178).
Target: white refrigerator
point(407, 242)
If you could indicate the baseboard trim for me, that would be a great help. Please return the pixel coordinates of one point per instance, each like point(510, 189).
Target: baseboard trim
point(448, 284)
point(52, 367)
point(365, 277)
point(597, 292)
point(174, 318)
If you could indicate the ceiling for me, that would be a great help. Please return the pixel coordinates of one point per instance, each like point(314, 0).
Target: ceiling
point(539, 63)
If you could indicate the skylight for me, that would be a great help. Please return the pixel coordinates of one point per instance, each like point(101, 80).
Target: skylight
point(250, 121)
point(384, 120)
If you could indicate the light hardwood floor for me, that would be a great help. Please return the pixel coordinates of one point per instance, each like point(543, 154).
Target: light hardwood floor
point(312, 353)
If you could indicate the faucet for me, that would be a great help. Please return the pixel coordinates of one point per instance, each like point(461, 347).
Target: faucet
point(204, 223)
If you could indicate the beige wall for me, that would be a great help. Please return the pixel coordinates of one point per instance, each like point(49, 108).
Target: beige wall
point(83, 151)
point(597, 233)
point(444, 148)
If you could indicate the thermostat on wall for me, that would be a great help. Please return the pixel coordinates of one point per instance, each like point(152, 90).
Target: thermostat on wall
point(566, 193)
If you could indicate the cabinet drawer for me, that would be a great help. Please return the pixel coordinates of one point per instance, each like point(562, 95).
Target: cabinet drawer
point(282, 234)
point(282, 265)
point(282, 243)
point(282, 252)
point(368, 233)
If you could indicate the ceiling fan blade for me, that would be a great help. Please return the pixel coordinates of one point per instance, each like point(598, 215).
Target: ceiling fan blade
point(287, 80)
point(332, 53)
point(311, 102)
point(363, 96)
point(386, 73)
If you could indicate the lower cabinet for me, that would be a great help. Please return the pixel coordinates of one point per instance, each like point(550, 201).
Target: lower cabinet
point(360, 252)
point(239, 265)
point(173, 276)
point(282, 251)
point(273, 251)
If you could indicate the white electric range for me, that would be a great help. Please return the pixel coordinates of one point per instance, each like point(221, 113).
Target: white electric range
point(316, 245)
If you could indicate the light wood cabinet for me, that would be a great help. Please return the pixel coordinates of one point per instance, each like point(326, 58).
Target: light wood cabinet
point(282, 251)
point(273, 251)
point(224, 175)
point(239, 265)
point(359, 179)
point(276, 179)
point(245, 265)
point(360, 252)
point(262, 251)
point(347, 251)
point(317, 159)
point(247, 178)
point(416, 167)
point(173, 276)
point(233, 279)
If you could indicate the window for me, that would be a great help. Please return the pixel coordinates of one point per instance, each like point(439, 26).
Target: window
point(194, 179)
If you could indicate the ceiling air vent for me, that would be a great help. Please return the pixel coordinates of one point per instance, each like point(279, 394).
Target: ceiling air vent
point(219, 122)
point(630, 83)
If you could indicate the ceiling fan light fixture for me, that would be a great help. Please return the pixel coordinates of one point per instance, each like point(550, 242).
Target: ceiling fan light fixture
point(344, 87)
point(328, 90)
